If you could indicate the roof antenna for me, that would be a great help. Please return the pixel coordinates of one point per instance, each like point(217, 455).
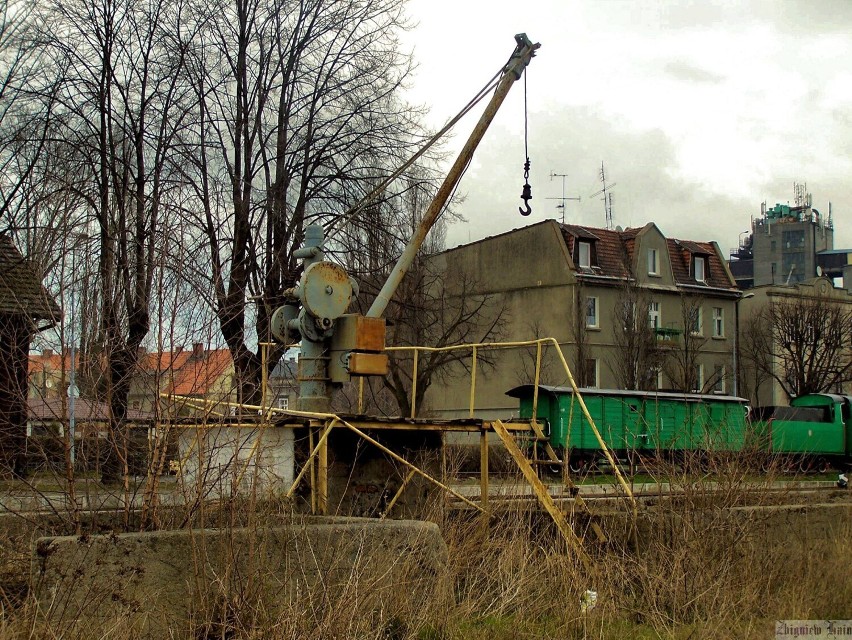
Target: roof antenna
point(607, 197)
point(561, 205)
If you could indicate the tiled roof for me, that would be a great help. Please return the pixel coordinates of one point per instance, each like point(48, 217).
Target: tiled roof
point(21, 291)
point(184, 371)
point(680, 254)
point(612, 257)
point(51, 362)
point(615, 252)
point(199, 372)
point(57, 409)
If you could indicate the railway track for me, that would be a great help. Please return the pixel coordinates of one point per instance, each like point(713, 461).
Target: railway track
point(517, 492)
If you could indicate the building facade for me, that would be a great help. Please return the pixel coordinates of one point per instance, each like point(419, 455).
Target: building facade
point(799, 334)
point(787, 245)
point(629, 309)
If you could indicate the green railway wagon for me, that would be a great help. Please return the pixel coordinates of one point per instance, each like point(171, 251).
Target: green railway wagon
point(636, 421)
point(814, 431)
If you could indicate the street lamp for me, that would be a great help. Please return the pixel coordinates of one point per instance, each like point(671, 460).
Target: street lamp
point(736, 338)
point(740, 238)
point(73, 392)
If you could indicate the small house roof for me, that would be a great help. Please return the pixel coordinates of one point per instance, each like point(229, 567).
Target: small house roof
point(21, 290)
point(84, 410)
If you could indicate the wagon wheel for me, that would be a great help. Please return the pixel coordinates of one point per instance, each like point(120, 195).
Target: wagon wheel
point(807, 464)
point(578, 465)
point(769, 463)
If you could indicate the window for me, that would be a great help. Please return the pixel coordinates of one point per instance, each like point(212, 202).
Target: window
point(659, 378)
point(793, 239)
point(584, 254)
point(653, 262)
point(699, 378)
point(592, 312)
point(719, 379)
point(283, 402)
point(654, 315)
point(718, 323)
point(699, 267)
point(695, 321)
point(591, 373)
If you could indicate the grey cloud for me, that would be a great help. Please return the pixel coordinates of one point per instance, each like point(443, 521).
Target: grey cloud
point(689, 73)
point(573, 141)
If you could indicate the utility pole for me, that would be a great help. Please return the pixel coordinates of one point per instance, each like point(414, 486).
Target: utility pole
point(564, 198)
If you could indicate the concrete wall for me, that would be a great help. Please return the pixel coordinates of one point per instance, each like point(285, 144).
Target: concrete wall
point(198, 583)
point(220, 460)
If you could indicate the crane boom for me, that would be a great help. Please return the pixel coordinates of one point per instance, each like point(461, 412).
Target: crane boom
point(524, 52)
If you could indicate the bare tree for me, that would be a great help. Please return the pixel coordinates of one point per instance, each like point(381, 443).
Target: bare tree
point(549, 370)
point(121, 106)
point(577, 329)
point(804, 343)
point(27, 100)
point(681, 358)
point(426, 311)
point(637, 356)
point(298, 113)
point(753, 349)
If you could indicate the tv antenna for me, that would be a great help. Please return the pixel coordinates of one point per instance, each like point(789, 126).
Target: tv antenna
point(564, 198)
point(607, 196)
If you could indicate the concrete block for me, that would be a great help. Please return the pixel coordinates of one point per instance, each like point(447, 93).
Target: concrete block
point(196, 582)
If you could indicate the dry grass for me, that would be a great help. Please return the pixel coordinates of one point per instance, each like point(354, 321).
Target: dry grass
point(707, 565)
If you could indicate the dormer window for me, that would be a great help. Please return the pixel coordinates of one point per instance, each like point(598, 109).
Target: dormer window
point(699, 268)
point(653, 262)
point(584, 254)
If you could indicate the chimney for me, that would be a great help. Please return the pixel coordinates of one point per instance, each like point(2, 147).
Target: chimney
point(197, 349)
point(47, 352)
point(140, 351)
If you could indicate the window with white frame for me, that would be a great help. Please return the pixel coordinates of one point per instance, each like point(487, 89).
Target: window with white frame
point(699, 378)
point(695, 320)
point(700, 266)
point(283, 402)
point(718, 322)
point(654, 315)
point(584, 254)
point(719, 379)
point(592, 373)
point(653, 262)
point(592, 312)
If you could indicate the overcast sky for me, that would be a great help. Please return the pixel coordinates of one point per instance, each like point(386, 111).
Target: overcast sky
point(700, 109)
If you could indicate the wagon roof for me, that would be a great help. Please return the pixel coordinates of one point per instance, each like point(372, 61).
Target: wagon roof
point(525, 390)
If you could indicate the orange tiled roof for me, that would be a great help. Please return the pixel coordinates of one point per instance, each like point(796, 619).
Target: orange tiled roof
point(196, 374)
point(52, 362)
point(187, 371)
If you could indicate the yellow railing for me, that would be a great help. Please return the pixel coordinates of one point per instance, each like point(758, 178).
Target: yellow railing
point(475, 349)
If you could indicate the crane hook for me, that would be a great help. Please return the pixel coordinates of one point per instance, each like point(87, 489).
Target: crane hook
point(526, 194)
